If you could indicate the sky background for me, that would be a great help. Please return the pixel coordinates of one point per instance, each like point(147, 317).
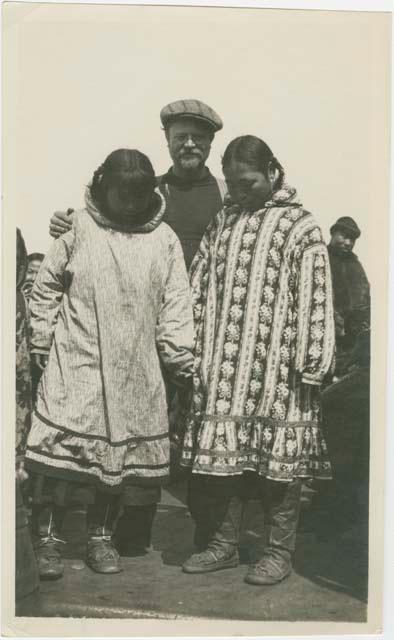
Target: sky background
point(89, 79)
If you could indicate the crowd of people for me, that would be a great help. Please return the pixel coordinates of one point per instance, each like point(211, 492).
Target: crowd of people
point(191, 312)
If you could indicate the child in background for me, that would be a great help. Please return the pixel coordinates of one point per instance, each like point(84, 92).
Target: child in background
point(34, 261)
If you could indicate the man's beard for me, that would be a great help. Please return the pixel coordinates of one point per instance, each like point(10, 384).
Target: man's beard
point(191, 161)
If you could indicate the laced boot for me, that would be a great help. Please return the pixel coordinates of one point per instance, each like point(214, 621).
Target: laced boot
point(222, 549)
point(101, 555)
point(46, 522)
point(281, 528)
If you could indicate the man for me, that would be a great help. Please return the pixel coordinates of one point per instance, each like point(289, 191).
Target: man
point(351, 290)
point(193, 196)
point(346, 401)
point(192, 193)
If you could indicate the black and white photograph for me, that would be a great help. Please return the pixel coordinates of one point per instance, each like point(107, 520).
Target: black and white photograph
point(196, 259)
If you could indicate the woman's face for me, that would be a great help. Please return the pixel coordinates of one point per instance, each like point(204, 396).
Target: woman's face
point(125, 205)
point(247, 187)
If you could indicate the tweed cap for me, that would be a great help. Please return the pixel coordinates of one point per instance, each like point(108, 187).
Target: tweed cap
point(191, 109)
point(348, 225)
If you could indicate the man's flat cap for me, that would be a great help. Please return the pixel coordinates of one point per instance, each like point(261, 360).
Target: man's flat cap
point(191, 109)
point(348, 225)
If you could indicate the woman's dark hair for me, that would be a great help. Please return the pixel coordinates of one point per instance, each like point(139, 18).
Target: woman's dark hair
point(124, 168)
point(253, 151)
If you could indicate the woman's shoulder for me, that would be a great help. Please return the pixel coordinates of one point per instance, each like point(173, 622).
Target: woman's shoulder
point(82, 216)
point(296, 227)
point(295, 216)
point(166, 234)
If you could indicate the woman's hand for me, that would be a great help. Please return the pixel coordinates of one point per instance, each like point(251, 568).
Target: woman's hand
point(39, 360)
point(61, 222)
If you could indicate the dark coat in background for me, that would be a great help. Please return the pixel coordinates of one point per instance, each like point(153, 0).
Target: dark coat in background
point(351, 302)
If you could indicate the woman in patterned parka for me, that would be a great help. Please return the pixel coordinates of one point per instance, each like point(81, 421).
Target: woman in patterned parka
point(264, 342)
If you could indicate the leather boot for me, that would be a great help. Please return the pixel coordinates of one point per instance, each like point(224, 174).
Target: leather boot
point(222, 548)
point(134, 529)
point(283, 502)
point(101, 555)
point(47, 521)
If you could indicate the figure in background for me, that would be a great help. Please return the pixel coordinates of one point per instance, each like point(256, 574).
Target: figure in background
point(26, 573)
point(351, 291)
point(344, 504)
point(34, 261)
point(264, 342)
point(23, 376)
point(111, 311)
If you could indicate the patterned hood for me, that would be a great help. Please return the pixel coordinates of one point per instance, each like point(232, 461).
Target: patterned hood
point(283, 197)
point(103, 221)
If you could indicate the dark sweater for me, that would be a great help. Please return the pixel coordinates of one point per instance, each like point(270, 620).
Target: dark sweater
point(190, 208)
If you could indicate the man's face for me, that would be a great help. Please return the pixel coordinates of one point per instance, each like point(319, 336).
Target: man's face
point(189, 143)
point(342, 241)
point(32, 270)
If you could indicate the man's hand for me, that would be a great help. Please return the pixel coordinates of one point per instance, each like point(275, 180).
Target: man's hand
point(39, 360)
point(61, 222)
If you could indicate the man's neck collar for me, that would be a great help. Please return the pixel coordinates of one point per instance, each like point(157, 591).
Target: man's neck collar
point(199, 177)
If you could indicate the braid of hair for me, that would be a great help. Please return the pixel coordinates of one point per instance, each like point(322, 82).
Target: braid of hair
point(95, 186)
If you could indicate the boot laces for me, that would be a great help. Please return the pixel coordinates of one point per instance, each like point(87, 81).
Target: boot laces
point(50, 545)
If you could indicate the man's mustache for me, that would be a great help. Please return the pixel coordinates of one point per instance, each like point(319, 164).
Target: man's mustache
point(197, 154)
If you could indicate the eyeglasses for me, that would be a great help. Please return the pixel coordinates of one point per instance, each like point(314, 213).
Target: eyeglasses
point(198, 138)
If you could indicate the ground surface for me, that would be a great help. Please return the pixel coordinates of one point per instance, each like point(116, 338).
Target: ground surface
point(328, 582)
